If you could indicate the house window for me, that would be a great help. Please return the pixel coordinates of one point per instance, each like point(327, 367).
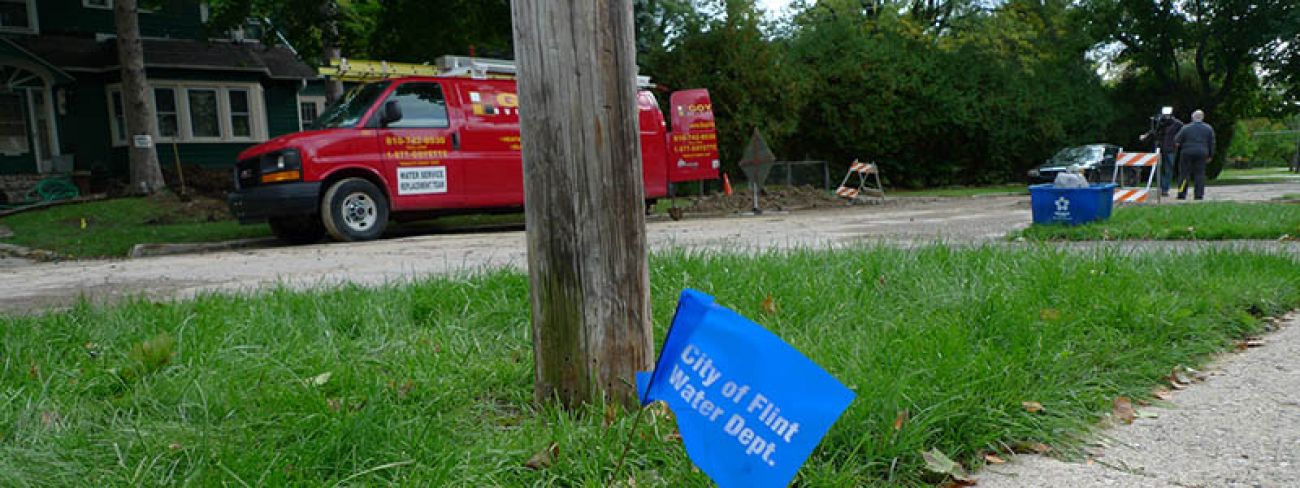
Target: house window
point(308, 112)
point(197, 113)
point(164, 102)
point(204, 119)
point(16, 16)
point(104, 4)
point(241, 120)
point(13, 126)
point(309, 109)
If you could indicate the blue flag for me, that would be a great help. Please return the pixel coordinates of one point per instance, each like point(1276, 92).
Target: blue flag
point(750, 408)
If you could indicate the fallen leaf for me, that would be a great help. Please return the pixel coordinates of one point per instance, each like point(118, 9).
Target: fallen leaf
point(1049, 314)
point(320, 379)
point(901, 419)
point(1176, 385)
point(994, 459)
point(1030, 446)
point(175, 446)
point(544, 458)
point(937, 462)
point(769, 305)
point(1162, 394)
point(83, 223)
point(1124, 410)
point(1032, 407)
point(611, 414)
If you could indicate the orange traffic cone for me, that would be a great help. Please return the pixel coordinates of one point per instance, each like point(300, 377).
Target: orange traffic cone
point(726, 184)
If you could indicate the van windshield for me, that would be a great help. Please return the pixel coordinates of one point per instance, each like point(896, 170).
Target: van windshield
point(348, 111)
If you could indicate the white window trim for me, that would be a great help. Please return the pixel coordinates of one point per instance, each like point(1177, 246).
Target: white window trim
point(318, 100)
point(230, 115)
point(87, 4)
point(185, 132)
point(33, 23)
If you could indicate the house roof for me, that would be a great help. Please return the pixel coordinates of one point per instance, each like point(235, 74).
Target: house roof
point(87, 54)
point(9, 48)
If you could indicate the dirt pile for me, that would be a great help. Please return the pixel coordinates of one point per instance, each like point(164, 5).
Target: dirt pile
point(772, 198)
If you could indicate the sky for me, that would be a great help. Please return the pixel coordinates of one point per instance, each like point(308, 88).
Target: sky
point(773, 6)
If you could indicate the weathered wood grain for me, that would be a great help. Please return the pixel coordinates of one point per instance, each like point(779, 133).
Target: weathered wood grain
point(584, 204)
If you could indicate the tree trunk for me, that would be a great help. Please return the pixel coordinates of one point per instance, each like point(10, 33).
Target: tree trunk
point(330, 47)
point(146, 177)
point(584, 206)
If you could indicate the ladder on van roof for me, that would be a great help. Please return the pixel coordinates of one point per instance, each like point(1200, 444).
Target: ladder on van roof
point(363, 70)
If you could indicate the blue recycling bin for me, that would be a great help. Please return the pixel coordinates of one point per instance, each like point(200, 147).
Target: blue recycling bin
point(1071, 206)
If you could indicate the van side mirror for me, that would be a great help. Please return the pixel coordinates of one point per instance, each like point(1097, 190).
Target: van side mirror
point(392, 112)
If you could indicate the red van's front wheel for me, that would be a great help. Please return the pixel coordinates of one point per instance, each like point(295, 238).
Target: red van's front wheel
point(354, 210)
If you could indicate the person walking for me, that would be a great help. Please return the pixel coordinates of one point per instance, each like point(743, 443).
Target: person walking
point(1165, 128)
point(1195, 143)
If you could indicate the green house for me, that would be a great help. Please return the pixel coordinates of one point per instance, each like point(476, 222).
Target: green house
point(61, 103)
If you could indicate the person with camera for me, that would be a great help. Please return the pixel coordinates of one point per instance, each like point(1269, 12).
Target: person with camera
point(1164, 127)
point(1195, 143)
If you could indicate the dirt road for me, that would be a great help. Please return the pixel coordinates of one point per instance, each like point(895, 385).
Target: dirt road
point(43, 286)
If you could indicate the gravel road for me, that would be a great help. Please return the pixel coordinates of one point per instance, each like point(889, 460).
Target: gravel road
point(42, 286)
point(33, 287)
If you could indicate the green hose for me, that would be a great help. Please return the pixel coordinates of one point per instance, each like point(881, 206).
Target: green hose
point(48, 190)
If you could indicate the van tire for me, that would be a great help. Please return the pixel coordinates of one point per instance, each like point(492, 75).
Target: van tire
point(354, 210)
point(304, 229)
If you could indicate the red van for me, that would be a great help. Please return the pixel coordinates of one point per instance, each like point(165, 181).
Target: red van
point(419, 147)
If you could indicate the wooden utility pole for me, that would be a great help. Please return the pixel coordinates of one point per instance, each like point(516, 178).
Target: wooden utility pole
point(584, 200)
point(146, 176)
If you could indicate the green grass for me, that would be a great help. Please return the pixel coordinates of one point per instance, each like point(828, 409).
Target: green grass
point(113, 226)
point(1201, 220)
point(1255, 176)
point(965, 191)
point(430, 384)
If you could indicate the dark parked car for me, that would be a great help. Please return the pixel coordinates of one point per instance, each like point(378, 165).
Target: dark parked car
point(1097, 161)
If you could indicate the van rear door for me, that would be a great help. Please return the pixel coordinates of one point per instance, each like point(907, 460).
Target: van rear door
point(693, 143)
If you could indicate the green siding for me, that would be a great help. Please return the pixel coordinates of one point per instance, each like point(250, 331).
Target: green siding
point(175, 18)
point(86, 132)
point(210, 155)
point(281, 108)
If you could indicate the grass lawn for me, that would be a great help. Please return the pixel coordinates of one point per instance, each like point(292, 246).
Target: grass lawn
point(430, 384)
point(1204, 220)
point(1254, 176)
point(111, 227)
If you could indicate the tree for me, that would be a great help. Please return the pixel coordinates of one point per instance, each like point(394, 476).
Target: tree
point(1208, 54)
point(146, 176)
point(583, 193)
point(403, 32)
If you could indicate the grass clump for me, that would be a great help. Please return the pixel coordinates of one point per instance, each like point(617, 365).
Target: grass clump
point(109, 228)
point(430, 384)
point(1201, 220)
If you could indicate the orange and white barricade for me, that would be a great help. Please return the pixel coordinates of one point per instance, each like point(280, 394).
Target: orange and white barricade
point(863, 171)
point(1136, 194)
